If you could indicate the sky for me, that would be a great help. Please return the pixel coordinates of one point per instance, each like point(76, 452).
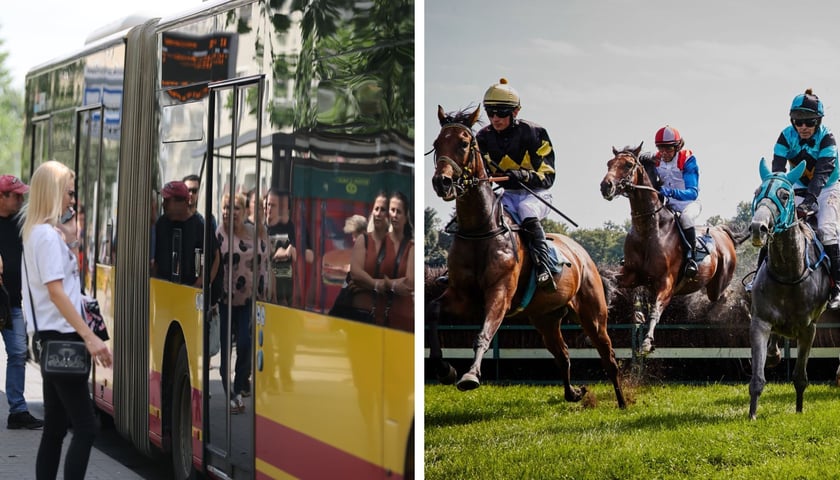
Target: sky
point(598, 74)
point(35, 32)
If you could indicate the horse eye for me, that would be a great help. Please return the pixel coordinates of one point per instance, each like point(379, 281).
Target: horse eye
point(464, 144)
point(783, 195)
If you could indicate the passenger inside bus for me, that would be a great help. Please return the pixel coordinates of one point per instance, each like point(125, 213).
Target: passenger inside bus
point(282, 236)
point(179, 239)
point(239, 244)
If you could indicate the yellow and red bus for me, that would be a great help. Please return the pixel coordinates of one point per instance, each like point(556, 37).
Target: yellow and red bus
point(313, 98)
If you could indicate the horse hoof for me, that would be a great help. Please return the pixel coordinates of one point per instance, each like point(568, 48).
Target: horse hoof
point(449, 377)
point(647, 347)
point(468, 382)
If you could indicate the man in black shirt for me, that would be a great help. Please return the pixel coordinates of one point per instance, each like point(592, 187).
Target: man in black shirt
point(14, 335)
point(181, 232)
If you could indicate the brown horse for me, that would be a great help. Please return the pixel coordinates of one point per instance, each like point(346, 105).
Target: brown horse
point(490, 271)
point(653, 250)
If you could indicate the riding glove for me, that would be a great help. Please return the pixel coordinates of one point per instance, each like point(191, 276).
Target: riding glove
point(523, 176)
point(809, 206)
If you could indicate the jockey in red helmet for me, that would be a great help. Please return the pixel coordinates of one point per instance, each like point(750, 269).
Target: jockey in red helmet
point(680, 185)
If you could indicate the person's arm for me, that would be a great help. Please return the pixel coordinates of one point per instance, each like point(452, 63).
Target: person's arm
point(361, 278)
point(97, 348)
point(403, 286)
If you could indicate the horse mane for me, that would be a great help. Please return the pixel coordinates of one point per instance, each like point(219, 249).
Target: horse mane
point(461, 117)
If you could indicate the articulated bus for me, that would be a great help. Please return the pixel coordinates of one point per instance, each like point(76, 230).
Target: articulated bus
point(313, 98)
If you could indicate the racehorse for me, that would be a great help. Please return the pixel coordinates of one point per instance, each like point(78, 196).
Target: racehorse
point(490, 270)
point(653, 251)
point(790, 289)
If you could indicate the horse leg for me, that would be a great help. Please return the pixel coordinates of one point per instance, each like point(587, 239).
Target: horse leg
point(549, 328)
point(800, 370)
point(444, 372)
point(759, 335)
point(647, 344)
point(774, 353)
point(597, 332)
point(492, 321)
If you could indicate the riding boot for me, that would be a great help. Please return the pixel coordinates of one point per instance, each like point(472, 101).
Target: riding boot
point(690, 263)
point(833, 252)
point(539, 252)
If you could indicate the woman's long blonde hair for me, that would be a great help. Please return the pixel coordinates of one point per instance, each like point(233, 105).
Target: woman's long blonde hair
point(46, 196)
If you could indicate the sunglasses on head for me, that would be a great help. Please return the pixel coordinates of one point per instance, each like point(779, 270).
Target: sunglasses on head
point(498, 112)
point(806, 122)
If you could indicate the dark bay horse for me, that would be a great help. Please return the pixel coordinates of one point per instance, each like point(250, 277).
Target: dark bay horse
point(790, 289)
point(653, 251)
point(490, 270)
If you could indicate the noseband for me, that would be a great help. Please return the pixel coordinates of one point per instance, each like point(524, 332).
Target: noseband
point(464, 176)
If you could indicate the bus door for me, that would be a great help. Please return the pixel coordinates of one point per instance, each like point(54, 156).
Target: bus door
point(88, 157)
point(234, 144)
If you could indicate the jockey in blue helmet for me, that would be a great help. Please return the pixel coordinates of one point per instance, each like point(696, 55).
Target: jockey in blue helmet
point(807, 140)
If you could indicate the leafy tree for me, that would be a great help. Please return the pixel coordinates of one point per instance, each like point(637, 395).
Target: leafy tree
point(434, 251)
point(11, 119)
point(553, 226)
point(605, 245)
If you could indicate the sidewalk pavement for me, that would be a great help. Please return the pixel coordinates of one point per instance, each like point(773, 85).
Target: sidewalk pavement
point(18, 448)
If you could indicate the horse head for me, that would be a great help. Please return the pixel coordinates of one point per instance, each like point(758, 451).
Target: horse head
point(457, 159)
point(624, 172)
point(773, 207)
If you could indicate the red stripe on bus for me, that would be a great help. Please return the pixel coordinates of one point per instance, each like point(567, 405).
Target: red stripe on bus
point(302, 456)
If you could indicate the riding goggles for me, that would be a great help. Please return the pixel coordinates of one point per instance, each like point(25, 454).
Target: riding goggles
point(501, 112)
point(806, 122)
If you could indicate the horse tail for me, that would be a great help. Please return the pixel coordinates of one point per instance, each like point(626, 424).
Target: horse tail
point(737, 238)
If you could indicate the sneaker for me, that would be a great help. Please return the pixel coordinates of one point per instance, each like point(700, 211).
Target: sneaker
point(245, 393)
point(25, 420)
point(237, 405)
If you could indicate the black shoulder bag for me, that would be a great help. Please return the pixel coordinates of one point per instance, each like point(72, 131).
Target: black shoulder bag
point(58, 357)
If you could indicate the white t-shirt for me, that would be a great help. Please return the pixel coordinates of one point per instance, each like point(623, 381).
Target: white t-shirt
point(47, 258)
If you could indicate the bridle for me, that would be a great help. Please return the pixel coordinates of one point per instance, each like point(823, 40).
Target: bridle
point(464, 177)
point(627, 183)
point(768, 191)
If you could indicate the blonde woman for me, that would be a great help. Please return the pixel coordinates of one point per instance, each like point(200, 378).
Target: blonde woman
point(238, 253)
point(51, 277)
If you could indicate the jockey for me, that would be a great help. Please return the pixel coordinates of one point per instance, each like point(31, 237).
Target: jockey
point(807, 140)
point(521, 150)
point(680, 185)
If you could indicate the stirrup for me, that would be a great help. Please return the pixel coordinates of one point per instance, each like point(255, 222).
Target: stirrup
point(546, 281)
point(690, 268)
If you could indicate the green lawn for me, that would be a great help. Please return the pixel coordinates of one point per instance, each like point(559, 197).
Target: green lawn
point(667, 432)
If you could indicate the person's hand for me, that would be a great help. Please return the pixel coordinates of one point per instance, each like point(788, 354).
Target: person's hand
point(808, 207)
point(522, 176)
point(99, 351)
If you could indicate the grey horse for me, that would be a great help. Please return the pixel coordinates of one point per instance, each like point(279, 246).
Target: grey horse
point(791, 288)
